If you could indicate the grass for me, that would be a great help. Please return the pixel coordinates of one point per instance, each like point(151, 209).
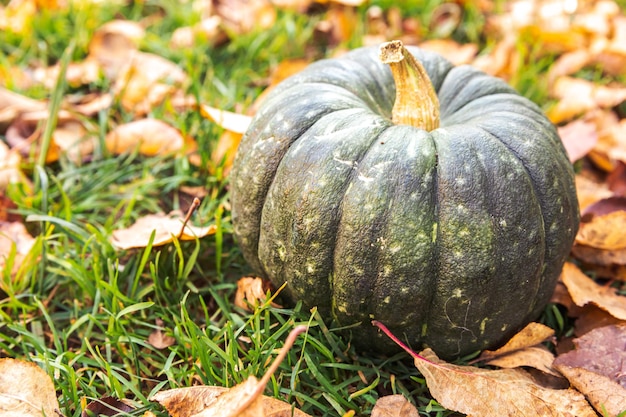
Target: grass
point(84, 311)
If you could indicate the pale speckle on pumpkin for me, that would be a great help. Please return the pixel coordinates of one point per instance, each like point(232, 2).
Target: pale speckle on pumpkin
point(387, 300)
point(365, 179)
point(483, 325)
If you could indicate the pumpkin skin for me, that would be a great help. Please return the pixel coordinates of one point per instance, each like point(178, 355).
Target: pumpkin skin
point(452, 238)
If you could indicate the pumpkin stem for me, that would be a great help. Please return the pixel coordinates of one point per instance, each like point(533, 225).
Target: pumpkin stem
point(416, 100)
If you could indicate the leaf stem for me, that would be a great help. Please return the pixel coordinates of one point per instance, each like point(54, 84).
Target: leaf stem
point(416, 100)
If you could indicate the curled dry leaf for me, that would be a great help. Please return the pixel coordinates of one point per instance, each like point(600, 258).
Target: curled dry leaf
point(524, 349)
point(14, 237)
point(13, 105)
point(165, 227)
point(146, 80)
point(113, 44)
point(160, 340)
point(150, 136)
point(579, 138)
point(250, 292)
point(233, 122)
point(10, 172)
point(26, 390)
point(394, 406)
point(243, 400)
point(496, 393)
point(493, 393)
point(106, 406)
point(590, 191)
point(531, 335)
point(453, 51)
point(577, 96)
point(584, 290)
point(596, 368)
point(604, 231)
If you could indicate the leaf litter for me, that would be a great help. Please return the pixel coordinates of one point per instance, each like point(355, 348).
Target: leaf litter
point(581, 35)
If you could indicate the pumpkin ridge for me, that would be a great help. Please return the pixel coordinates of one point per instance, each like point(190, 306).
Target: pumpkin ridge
point(551, 244)
point(340, 209)
point(294, 265)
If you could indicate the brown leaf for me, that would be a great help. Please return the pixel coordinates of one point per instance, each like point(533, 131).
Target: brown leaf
point(160, 340)
point(243, 16)
point(584, 290)
point(577, 96)
point(165, 227)
point(590, 191)
point(599, 257)
point(579, 137)
point(146, 80)
point(113, 45)
point(604, 232)
point(243, 400)
point(150, 136)
point(487, 393)
point(106, 406)
point(597, 367)
point(250, 292)
point(394, 406)
point(10, 171)
point(26, 390)
point(14, 237)
point(531, 335)
point(453, 51)
point(493, 393)
point(605, 206)
point(13, 104)
point(591, 317)
point(616, 179)
point(538, 357)
point(523, 349)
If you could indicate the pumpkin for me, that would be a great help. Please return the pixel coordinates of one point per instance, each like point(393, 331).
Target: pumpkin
point(434, 199)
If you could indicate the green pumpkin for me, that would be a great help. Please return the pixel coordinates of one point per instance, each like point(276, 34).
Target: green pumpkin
point(452, 236)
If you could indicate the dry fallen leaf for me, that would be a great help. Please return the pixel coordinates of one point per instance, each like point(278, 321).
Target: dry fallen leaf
point(243, 400)
point(13, 105)
point(577, 96)
point(493, 393)
point(10, 172)
point(233, 122)
point(579, 138)
point(160, 340)
point(585, 290)
point(597, 368)
point(394, 406)
point(26, 390)
point(591, 317)
point(146, 80)
point(113, 44)
point(165, 227)
point(14, 237)
point(531, 335)
point(106, 406)
point(524, 349)
point(453, 51)
point(250, 292)
point(150, 136)
point(604, 231)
